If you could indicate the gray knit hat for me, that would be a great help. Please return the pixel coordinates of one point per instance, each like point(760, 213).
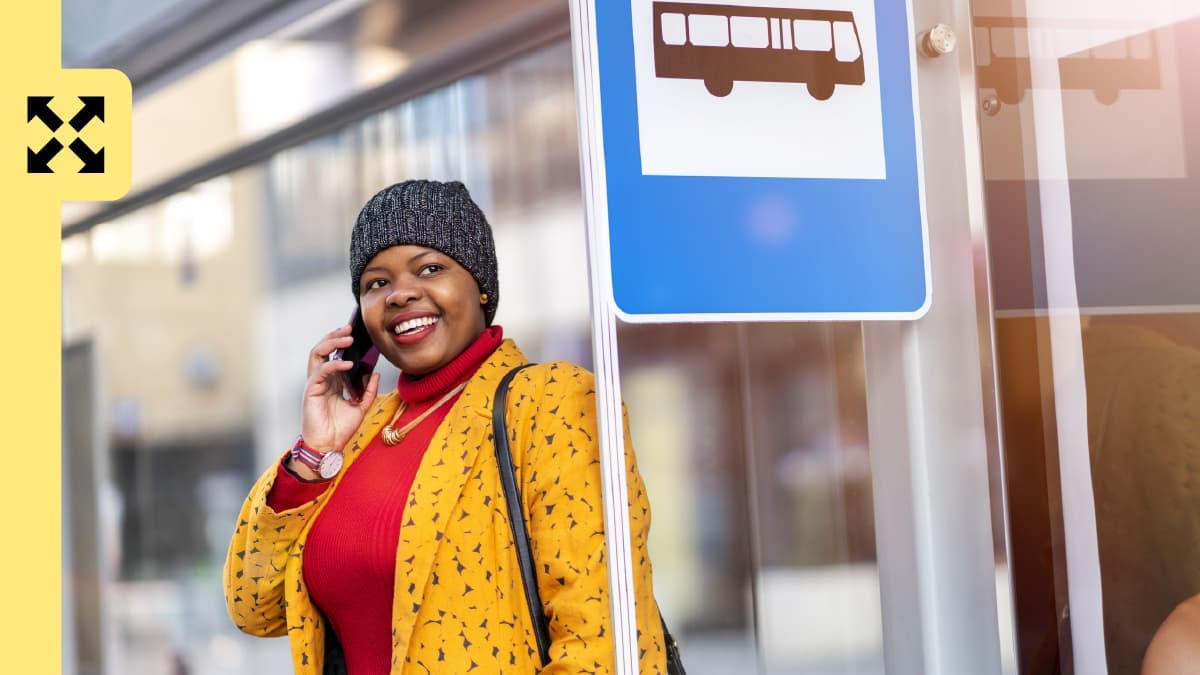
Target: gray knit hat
point(427, 213)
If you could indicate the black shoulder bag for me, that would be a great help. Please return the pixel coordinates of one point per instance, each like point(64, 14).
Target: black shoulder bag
point(512, 496)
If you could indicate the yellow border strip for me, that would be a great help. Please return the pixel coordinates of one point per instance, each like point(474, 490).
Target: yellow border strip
point(31, 338)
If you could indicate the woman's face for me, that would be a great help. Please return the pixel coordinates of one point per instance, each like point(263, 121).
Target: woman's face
point(420, 306)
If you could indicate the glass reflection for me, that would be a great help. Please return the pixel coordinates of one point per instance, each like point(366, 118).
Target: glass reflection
point(1096, 114)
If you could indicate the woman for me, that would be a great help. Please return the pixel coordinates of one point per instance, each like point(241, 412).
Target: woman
point(405, 557)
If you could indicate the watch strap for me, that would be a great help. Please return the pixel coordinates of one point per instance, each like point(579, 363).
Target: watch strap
point(305, 455)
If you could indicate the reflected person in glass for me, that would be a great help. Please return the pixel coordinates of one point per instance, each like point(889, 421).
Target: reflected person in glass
point(400, 559)
point(1175, 649)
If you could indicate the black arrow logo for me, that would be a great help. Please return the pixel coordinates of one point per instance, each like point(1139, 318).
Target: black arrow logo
point(39, 107)
point(93, 162)
point(39, 162)
point(93, 106)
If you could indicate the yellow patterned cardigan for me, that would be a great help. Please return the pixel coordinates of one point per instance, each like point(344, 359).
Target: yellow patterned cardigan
point(459, 606)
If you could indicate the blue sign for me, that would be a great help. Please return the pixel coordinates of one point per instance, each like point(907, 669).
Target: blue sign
point(761, 160)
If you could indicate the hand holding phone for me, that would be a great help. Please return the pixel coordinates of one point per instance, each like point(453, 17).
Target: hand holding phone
point(364, 355)
point(341, 386)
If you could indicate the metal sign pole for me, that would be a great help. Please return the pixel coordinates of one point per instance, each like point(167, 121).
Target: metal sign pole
point(604, 346)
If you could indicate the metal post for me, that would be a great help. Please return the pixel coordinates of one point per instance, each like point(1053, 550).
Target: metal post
point(604, 349)
point(925, 414)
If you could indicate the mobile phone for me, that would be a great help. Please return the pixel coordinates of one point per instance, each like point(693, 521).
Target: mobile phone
point(364, 355)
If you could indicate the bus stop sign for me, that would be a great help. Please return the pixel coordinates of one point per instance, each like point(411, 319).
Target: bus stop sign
point(755, 159)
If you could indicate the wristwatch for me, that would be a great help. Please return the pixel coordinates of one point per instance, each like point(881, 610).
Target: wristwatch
point(326, 465)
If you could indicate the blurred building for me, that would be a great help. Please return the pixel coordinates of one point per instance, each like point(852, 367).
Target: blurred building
point(260, 128)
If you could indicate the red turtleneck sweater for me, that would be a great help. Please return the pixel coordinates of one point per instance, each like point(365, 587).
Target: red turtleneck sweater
point(350, 555)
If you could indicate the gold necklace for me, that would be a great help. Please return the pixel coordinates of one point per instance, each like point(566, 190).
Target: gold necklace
point(392, 436)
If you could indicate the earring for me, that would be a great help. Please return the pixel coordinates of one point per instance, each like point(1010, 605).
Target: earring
point(483, 298)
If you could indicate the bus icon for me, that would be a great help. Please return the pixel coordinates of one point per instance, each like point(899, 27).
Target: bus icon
point(1113, 61)
point(721, 44)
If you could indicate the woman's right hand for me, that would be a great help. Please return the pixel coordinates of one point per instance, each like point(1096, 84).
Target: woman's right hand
point(327, 420)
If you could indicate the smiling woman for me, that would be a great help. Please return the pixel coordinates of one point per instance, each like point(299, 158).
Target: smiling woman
point(403, 555)
point(421, 307)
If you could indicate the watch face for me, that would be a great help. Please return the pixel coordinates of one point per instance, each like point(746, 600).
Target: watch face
point(331, 464)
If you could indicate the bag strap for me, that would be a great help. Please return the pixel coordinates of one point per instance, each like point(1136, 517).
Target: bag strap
point(512, 495)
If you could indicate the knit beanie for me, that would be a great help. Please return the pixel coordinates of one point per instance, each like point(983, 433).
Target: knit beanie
point(428, 213)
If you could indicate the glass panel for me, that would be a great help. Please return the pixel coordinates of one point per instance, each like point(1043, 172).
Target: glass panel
point(264, 85)
point(350, 47)
point(756, 458)
point(1090, 146)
